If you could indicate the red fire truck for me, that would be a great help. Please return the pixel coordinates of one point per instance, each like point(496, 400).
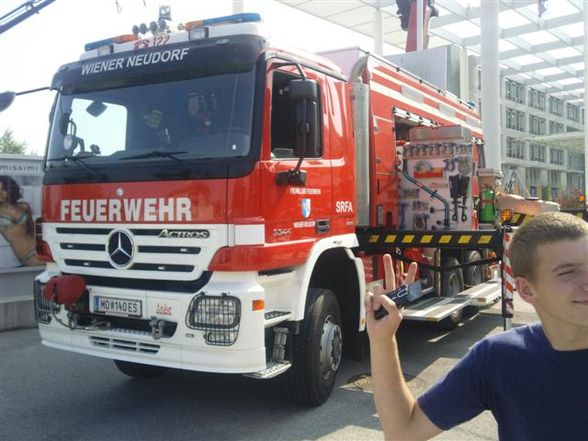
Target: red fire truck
point(215, 202)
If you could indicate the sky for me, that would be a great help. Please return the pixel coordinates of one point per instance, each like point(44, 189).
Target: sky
point(32, 51)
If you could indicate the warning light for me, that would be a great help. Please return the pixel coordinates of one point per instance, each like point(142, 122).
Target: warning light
point(506, 215)
point(581, 198)
point(258, 305)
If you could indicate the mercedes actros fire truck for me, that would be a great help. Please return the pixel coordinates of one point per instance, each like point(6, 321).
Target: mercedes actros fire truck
point(217, 202)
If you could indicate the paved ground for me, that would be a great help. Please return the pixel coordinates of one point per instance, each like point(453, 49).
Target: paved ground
point(47, 394)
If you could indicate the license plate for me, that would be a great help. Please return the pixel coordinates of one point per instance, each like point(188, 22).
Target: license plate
point(116, 306)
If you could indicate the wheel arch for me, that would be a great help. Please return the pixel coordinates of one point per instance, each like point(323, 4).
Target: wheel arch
point(324, 255)
point(337, 270)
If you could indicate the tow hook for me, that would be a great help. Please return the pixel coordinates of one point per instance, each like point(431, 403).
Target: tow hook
point(157, 326)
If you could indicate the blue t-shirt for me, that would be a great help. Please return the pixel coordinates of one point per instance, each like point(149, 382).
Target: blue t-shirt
point(534, 392)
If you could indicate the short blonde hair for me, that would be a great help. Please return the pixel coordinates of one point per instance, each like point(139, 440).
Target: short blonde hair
point(542, 229)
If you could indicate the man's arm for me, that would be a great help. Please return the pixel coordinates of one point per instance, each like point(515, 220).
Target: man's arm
point(398, 410)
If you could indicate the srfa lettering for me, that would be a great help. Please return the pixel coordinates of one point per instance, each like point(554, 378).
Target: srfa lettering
point(344, 207)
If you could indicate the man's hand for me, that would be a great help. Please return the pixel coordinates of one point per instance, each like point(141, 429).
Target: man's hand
point(381, 331)
point(401, 416)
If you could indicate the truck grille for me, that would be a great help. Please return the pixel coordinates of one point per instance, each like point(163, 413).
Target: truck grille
point(124, 345)
point(175, 254)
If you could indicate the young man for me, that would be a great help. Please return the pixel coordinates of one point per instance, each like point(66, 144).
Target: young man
point(534, 379)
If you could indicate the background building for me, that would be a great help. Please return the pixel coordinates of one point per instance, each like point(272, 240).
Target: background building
point(541, 59)
point(542, 137)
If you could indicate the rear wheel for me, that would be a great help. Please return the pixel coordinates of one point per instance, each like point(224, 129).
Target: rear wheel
point(476, 274)
point(137, 370)
point(452, 284)
point(317, 350)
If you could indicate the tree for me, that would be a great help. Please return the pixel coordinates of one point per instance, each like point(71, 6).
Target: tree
point(10, 145)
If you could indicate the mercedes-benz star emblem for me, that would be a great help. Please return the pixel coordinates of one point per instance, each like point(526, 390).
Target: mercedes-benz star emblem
point(120, 248)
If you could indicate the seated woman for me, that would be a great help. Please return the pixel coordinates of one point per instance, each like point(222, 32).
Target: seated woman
point(16, 223)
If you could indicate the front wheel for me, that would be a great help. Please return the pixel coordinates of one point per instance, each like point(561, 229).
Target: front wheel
point(137, 370)
point(317, 350)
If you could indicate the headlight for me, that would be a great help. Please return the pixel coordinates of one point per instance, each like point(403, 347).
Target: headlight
point(217, 316)
point(42, 306)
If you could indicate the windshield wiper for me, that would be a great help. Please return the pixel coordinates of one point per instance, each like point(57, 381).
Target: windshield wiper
point(187, 171)
point(157, 154)
point(76, 160)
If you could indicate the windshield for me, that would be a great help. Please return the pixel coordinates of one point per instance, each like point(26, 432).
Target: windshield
point(189, 120)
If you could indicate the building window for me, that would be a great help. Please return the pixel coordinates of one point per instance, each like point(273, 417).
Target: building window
point(515, 119)
point(574, 181)
point(556, 156)
point(537, 125)
point(572, 112)
point(555, 127)
point(536, 99)
point(554, 183)
point(515, 148)
point(533, 176)
point(537, 152)
point(576, 161)
point(554, 178)
point(556, 106)
point(515, 91)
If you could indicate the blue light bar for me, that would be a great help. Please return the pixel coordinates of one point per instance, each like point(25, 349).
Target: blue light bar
point(97, 44)
point(237, 18)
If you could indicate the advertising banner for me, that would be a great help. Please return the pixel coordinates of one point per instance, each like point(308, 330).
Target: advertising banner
point(21, 177)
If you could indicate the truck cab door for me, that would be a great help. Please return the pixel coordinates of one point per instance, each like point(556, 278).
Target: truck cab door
point(295, 208)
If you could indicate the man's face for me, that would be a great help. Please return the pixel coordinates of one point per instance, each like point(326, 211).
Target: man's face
point(559, 291)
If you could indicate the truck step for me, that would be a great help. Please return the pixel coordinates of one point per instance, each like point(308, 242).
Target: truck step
point(274, 317)
point(485, 293)
point(437, 308)
point(273, 369)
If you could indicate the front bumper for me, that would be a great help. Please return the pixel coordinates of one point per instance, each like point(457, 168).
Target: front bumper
point(187, 348)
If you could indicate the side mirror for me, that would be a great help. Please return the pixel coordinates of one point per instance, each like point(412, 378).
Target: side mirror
point(307, 129)
point(303, 89)
point(64, 122)
point(6, 100)
point(306, 95)
point(71, 142)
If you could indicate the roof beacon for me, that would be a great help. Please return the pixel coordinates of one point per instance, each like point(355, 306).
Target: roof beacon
point(199, 28)
point(105, 47)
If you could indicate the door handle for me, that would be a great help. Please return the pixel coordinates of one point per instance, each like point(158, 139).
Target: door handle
point(323, 226)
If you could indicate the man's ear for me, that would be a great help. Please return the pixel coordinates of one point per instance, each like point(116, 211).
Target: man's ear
point(525, 290)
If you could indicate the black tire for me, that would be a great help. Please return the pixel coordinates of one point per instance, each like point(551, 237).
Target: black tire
point(451, 285)
point(317, 350)
point(474, 275)
point(137, 370)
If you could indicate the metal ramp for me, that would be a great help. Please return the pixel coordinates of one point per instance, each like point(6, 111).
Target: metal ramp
point(273, 369)
point(272, 318)
point(437, 308)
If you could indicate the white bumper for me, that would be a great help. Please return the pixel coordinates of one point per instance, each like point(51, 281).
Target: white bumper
point(187, 348)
